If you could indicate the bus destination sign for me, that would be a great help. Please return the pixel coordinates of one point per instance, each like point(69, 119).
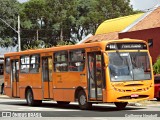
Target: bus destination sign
point(126, 46)
point(129, 46)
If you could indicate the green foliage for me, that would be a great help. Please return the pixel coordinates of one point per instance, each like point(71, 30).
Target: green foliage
point(9, 12)
point(6, 42)
point(58, 21)
point(35, 45)
point(61, 43)
point(156, 66)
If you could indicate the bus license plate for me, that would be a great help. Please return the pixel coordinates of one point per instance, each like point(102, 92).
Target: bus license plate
point(134, 95)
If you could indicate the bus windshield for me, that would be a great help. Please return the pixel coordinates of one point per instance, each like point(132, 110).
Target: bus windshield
point(126, 66)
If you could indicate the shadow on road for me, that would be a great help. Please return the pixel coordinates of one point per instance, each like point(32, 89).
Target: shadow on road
point(99, 108)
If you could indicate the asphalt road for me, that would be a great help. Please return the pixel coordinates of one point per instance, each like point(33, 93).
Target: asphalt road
point(16, 108)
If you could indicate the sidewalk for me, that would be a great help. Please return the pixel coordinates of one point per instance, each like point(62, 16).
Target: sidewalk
point(4, 97)
point(145, 103)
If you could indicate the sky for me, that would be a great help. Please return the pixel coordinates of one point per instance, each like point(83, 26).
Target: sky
point(137, 4)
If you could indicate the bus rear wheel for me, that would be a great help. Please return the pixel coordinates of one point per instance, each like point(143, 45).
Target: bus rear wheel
point(82, 100)
point(121, 105)
point(30, 99)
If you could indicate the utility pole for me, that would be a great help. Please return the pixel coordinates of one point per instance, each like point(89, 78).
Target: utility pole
point(17, 31)
point(19, 37)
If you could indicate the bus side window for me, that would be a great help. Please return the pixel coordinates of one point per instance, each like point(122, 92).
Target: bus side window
point(76, 60)
point(24, 64)
point(61, 61)
point(35, 64)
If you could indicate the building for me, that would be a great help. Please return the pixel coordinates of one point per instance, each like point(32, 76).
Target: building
point(145, 26)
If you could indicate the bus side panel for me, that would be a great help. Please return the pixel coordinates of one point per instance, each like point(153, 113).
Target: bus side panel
point(58, 94)
point(51, 89)
point(7, 85)
point(34, 82)
point(104, 95)
point(14, 88)
point(37, 92)
point(65, 85)
point(69, 95)
point(22, 93)
point(8, 91)
point(70, 82)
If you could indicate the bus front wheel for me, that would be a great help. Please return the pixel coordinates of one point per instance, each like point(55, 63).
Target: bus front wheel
point(121, 105)
point(82, 100)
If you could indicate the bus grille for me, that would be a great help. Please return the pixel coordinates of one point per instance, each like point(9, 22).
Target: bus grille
point(129, 97)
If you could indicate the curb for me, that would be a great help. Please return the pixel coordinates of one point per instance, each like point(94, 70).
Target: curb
point(4, 97)
point(134, 104)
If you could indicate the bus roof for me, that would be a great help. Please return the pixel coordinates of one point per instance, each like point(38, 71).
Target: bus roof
point(69, 47)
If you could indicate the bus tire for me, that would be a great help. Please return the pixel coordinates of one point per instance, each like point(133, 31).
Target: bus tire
point(82, 100)
point(121, 105)
point(2, 89)
point(158, 99)
point(37, 102)
point(30, 98)
point(62, 103)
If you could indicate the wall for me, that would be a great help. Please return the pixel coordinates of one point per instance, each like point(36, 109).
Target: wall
point(153, 33)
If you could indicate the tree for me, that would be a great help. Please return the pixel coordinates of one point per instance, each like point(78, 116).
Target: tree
point(91, 13)
point(62, 17)
point(9, 12)
point(33, 21)
point(53, 21)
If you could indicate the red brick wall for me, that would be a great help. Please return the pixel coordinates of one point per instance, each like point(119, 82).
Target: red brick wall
point(153, 33)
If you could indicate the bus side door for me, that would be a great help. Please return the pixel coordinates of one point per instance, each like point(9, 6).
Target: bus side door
point(47, 66)
point(95, 75)
point(15, 77)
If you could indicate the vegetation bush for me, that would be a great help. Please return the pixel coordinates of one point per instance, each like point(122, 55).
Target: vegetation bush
point(156, 66)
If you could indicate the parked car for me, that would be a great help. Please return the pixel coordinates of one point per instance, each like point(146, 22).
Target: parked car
point(157, 87)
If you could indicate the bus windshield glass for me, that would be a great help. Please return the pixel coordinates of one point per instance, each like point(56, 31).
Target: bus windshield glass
point(127, 66)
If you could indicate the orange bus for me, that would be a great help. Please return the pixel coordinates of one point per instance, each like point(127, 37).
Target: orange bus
point(117, 71)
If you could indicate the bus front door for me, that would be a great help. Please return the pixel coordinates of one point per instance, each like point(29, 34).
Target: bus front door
point(47, 77)
point(95, 76)
point(15, 78)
